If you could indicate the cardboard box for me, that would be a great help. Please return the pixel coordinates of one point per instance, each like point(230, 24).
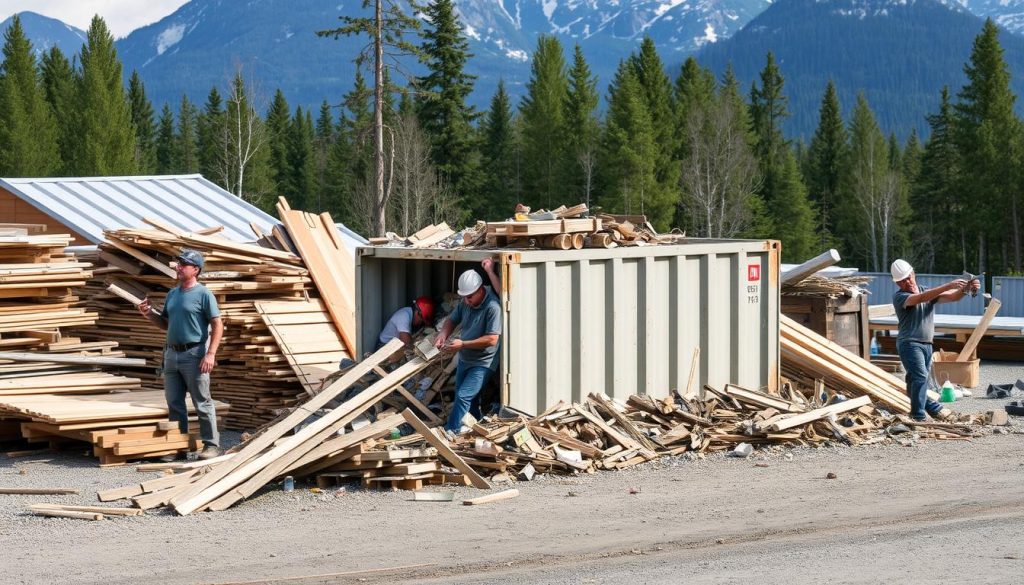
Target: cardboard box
point(945, 367)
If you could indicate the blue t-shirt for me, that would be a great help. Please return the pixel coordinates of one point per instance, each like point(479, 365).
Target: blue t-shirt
point(483, 320)
point(188, 314)
point(917, 322)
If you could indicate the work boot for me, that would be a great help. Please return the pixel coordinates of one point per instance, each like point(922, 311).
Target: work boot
point(209, 452)
point(174, 457)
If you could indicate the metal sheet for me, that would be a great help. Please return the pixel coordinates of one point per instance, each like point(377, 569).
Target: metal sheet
point(622, 321)
point(1009, 290)
point(90, 205)
point(882, 288)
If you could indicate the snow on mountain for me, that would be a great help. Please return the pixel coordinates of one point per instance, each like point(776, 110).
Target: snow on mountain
point(46, 32)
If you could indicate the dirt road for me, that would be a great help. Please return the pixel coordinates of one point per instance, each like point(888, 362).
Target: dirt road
point(939, 511)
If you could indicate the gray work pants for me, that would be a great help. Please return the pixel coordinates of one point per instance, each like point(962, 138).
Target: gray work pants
point(181, 375)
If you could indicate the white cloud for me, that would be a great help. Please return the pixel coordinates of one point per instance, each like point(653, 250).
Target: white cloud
point(122, 16)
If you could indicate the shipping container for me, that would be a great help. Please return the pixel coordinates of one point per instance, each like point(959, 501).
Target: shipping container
point(1009, 290)
point(620, 321)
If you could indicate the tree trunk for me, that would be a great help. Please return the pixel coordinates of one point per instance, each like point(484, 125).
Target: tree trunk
point(1016, 234)
point(380, 203)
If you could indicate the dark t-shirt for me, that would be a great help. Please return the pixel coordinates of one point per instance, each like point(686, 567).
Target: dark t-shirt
point(189, 313)
point(917, 322)
point(483, 320)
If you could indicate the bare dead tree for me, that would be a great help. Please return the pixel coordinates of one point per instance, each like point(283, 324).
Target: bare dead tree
point(587, 160)
point(720, 175)
point(241, 140)
point(420, 196)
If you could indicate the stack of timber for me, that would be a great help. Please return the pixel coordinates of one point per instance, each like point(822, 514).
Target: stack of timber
point(826, 286)
point(252, 373)
point(118, 427)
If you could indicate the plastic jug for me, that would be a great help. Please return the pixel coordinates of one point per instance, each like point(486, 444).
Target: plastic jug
point(948, 394)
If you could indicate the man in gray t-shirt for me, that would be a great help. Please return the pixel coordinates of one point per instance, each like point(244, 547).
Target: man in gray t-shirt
point(194, 328)
point(479, 313)
point(916, 313)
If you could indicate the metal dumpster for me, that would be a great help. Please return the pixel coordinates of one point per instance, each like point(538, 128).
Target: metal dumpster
point(620, 321)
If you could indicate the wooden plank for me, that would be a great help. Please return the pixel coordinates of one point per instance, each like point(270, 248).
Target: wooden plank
point(144, 258)
point(93, 509)
point(70, 359)
point(444, 450)
point(204, 491)
point(818, 413)
point(691, 381)
point(38, 491)
point(495, 497)
point(979, 331)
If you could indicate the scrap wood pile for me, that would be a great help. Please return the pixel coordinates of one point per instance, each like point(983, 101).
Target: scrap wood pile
point(563, 228)
point(828, 286)
point(251, 283)
point(118, 427)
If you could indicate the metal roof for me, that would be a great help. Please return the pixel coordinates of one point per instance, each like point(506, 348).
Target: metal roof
point(90, 205)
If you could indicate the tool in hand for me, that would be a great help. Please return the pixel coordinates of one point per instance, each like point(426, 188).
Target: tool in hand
point(969, 277)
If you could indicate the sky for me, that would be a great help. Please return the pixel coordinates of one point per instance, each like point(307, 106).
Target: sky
point(122, 16)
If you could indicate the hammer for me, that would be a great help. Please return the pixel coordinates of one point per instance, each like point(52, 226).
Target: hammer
point(969, 277)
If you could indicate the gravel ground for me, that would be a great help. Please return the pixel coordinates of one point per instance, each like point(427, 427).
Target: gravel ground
point(927, 509)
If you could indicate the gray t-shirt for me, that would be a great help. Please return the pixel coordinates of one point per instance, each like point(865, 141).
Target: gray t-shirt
point(917, 322)
point(483, 320)
point(189, 313)
point(400, 322)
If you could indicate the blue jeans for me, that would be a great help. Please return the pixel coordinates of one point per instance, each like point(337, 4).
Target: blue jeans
point(917, 361)
point(181, 375)
point(468, 382)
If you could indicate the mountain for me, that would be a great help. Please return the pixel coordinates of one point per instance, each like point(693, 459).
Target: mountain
point(899, 52)
point(1008, 14)
point(204, 42)
point(45, 32)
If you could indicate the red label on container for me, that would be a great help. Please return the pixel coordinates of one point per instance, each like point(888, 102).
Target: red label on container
point(753, 272)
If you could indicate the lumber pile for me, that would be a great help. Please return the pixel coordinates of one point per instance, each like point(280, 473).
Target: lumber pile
point(824, 286)
point(815, 361)
point(119, 427)
point(253, 373)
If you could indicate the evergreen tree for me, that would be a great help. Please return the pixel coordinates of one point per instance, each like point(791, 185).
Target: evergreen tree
point(694, 88)
point(443, 111)
point(939, 221)
point(28, 132)
point(210, 135)
point(989, 138)
point(299, 185)
point(629, 154)
point(278, 128)
point(324, 137)
point(59, 87)
point(145, 127)
point(582, 128)
point(542, 110)
point(187, 147)
point(768, 109)
point(826, 160)
point(797, 236)
point(104, 140)
point(498, 146)
point(657, 92)
point(166, 145)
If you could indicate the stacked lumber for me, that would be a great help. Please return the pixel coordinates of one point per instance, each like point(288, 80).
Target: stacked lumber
point(36, 281)
point(253, 374)
point(808, 356)
point(118, 427)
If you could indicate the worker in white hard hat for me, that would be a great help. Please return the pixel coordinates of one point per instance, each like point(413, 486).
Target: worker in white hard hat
point(479, 313)
point(916, 312)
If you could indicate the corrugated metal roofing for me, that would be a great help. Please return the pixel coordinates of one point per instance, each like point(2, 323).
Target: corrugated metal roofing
point(90, 205)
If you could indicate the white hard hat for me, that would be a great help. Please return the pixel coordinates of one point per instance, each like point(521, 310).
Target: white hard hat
point(900, 269)
point(469, 283)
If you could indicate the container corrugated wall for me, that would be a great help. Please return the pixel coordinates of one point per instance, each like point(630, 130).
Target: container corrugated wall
point(621, 321)
point(882, 288)
point(1009, 290)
